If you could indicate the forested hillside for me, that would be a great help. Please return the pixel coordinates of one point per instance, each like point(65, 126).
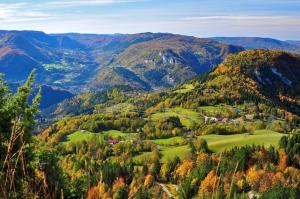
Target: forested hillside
point(229, 133)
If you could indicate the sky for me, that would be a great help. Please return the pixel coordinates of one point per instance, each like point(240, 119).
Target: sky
point(202, 18)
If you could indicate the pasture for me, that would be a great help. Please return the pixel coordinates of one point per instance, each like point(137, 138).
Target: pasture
point(218, 143)
point(187, 117)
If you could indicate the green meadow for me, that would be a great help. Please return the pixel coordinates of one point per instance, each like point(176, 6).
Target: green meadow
point(185, 88)
point(80, 136)
point(218, 143)
point(170, 141)
point(169, 153)
point(187, 117)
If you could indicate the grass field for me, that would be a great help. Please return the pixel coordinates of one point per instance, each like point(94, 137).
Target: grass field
point(185, 88)
point(218, 143)
point(142, 158)
point(80, 136)
point(219, 109)
point(122, 107)
point(187, 117)
point(114, 133)
point(117, 134)
point(169, 153)
point(170, 141)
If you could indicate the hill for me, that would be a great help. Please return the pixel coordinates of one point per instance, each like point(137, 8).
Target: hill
point(259, 76)
point(59, 61)
point(81, 62)
point(164, 62)
point(251, 43)
point(294, 42)
point(253, 76)
point(233, 118)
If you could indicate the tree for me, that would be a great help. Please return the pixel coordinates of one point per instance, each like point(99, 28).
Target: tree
point(279, 192)
point(98, 192)
point(165, 171)
point(48, 174)
point(282, 160)
point(185, 168)
point(148, 180)
point(185, 189)
point(16, 126)
point(201, 145)
point(209, 184)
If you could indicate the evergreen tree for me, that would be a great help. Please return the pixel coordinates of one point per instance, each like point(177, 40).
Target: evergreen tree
point(16, 126)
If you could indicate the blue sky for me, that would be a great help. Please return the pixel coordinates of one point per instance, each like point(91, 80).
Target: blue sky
point(202, 18)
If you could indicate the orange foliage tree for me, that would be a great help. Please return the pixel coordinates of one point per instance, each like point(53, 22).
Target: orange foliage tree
point(184, 169)
point(209, 184)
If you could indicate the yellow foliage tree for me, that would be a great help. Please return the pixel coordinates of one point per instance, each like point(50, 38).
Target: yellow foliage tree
point(148, 180)
point(253, 177)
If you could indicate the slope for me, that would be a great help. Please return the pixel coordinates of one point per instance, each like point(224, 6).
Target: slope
point(163, 62)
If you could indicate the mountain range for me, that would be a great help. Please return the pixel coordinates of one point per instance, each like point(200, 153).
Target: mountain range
point(254, 76)
point(75, 63)
point(251, 43)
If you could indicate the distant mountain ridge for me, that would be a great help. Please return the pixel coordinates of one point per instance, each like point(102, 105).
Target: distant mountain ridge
point(251, 43)
point(23, 51)
point(164, 62)
point(81, 62)
point(88, 62)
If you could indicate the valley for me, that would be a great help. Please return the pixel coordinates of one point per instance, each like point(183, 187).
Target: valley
point(150, 115)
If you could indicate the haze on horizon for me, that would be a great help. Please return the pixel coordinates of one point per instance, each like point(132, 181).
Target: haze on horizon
point(203, 18)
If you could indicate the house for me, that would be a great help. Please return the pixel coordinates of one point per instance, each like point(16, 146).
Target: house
point(113, 141)
point(225, 120)
point(210, 119)
point(250, 117)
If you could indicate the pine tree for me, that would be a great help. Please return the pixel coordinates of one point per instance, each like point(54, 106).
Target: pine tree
point(16, 126)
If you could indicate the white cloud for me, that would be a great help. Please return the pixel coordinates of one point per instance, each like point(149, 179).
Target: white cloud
point(20, 12)
point(25, 12)
point(67, 16)
point(77, 3)
point(237, 17)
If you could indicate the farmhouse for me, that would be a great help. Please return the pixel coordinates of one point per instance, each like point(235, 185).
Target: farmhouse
point(113, 141)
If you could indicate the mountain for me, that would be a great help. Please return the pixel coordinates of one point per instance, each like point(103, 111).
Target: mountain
point(251, 43)
point(229, 119)
point(257, 76)
point(59, 61)
point(84, 103)
point(264, 77)
point(294, 42)
point(81, 62)
point(50, 95)
point(163, 62)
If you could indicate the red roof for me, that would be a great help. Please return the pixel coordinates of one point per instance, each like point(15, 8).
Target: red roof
point(113, 141)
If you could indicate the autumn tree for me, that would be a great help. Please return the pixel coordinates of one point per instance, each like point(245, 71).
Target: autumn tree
point(209, 184)
point(282, 160)
point(184, 169)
